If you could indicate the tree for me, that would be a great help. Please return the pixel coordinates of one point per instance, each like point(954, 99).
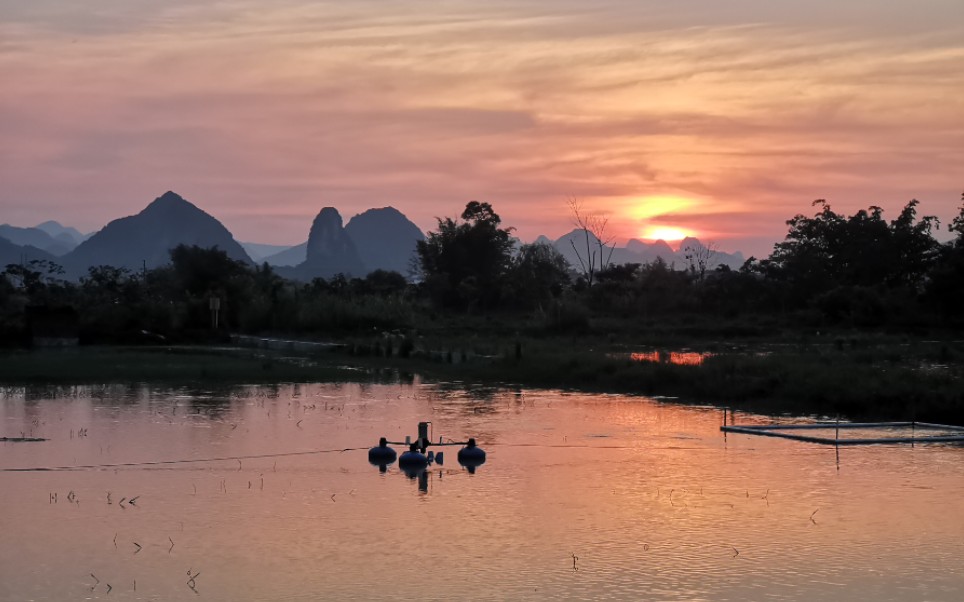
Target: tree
point(200, 274)
point(538, 274)
point(464, 263)
point(957, 224)
point(107, 284)
point(383, 283)
point(945, 285)
point(828, 251)
point(700, 258)
point(203, 271)
point(596, 250)
point(914, 248)
point(39, 280)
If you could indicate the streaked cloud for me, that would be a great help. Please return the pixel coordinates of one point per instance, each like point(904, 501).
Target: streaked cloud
point(747, 110)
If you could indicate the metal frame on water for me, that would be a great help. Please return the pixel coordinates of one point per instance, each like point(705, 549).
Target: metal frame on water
point(773, 430)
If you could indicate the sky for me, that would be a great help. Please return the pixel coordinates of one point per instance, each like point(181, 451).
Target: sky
point(716, 119)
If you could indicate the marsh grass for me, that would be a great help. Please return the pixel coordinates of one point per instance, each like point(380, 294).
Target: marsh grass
point(86, 365)
point(874, 378)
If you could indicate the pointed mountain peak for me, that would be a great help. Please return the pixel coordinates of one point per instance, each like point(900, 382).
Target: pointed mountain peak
point(662, 245)
point(636, 246)
point(327, 236)
point(578, 237)
point(690, 242)
point(167, 202)
point(329, 215)
point(329, 249)
point(170, 204)
point(169, 198)
point(50, 224)
point(148, 237)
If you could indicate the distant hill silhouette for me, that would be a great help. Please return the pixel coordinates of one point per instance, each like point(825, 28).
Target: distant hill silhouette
point(385, 239)
point(650, 252)
point(149, 236)
point(63, 233)
point(637, 251)
point(380, 239)
point(37, 238)
point(329, 250)
point(13, 253)
point(290, 257)
point(577, 238)
point(259, 252)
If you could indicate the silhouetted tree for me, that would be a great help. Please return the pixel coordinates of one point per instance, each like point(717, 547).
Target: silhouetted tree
point(595, 252)
point(700, 258)
point(538, 274)
point(913, 248)
point(40, 282)
point(201, 274)
point(945, 288)
point(828, 251)
point(464, 262)
point(383, 283)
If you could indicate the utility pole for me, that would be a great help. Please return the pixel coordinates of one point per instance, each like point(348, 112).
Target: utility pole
point(215, 305)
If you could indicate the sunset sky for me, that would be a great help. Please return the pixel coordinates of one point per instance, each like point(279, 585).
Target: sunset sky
point(718, 119)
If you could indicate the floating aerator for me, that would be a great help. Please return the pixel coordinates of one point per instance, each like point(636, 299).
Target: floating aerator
point(471, 455)
point(382, 454)
point(417, 457)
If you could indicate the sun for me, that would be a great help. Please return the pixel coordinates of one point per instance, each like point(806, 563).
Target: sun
point(661, 209)
point(667, 233)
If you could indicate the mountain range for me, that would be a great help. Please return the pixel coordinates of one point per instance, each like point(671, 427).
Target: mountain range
point(572, 246)
point(48, 236)
point(377, 239)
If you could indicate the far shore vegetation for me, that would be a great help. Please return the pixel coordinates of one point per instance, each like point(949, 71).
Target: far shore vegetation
point(854, 316)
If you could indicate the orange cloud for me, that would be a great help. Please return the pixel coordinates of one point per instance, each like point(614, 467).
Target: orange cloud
point(746, 113)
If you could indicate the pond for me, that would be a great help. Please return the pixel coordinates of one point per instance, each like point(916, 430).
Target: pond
point(245, 494)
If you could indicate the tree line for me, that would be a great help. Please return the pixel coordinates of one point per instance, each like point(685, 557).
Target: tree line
point(831, 271)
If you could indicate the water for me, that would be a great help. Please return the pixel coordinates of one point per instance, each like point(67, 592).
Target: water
point(679, 358)
point(583, 497)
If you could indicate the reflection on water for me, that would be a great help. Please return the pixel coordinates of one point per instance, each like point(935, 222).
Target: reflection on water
point(249, 493)
point(680, 358)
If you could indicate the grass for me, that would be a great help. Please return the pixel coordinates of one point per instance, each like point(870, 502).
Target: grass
point(872, 378)
point(182, 365)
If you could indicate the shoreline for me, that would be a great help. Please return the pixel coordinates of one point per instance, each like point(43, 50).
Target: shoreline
point(880, 379)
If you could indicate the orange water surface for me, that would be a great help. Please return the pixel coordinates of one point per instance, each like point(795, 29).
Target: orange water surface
point(245, 493)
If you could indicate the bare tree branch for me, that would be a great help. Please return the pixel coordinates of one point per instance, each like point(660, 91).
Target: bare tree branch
point(593, 227)
point(701, 257)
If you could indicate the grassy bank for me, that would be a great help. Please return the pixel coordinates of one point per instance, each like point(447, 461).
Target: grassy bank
point(87, 365)
point(868, 378)
point(871, 378)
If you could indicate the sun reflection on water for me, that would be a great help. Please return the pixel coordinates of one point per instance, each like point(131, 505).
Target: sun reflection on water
point(679, 358)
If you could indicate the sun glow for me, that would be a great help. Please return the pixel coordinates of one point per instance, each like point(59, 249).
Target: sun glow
point(667, 233)
point(655, 211)
point(653, 206)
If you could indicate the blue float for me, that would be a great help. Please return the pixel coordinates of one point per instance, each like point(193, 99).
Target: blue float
point(413, 458)
point(471, 455)
point(382, 454)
